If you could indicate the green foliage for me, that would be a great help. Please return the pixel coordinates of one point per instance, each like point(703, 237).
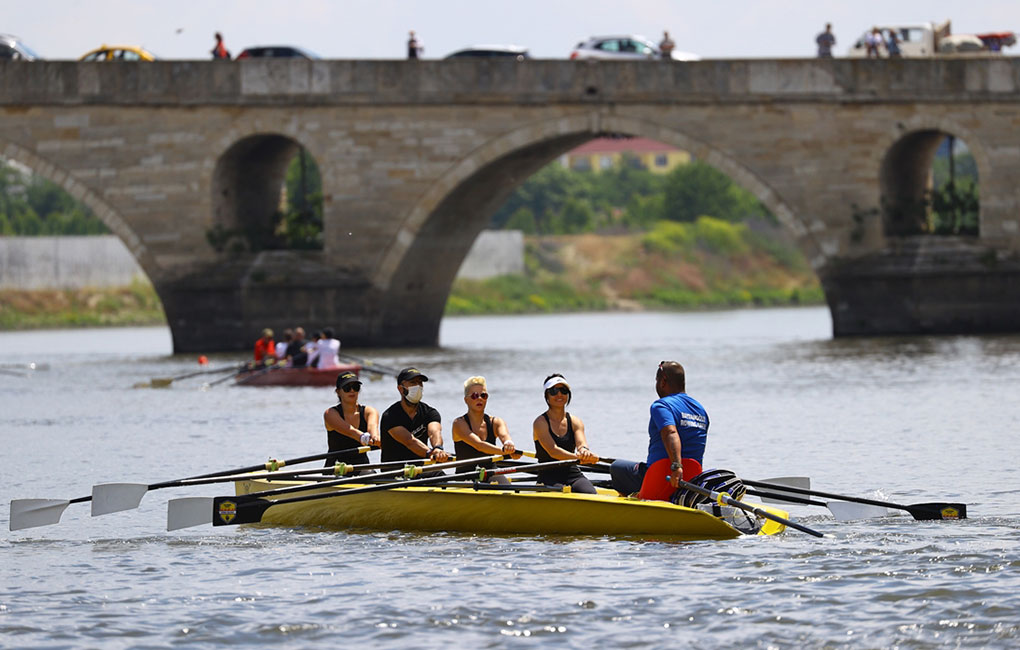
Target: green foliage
point(707, 233)
point(557, 201)
point(33, 206)
point(696, 189)
point(518, 294)
point(955, 208)
point(300, 226)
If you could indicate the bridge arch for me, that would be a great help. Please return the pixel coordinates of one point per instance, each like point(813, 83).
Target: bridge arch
point(520, 153)
point(103, 211)
point(904, 162)
point(246, 184)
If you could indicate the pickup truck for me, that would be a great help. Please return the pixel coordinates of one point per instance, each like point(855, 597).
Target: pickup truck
point(930, 40)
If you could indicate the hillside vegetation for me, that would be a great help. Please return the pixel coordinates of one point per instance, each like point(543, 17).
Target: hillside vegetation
point(707, 263)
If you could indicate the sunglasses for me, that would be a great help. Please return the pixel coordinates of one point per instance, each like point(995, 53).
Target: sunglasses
point(355, 387)
point(479, 396)
point(558, 390)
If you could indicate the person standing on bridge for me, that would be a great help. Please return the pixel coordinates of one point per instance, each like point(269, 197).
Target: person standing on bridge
point(414, 46)
point(220, 50)
point(666, 46)
point(825, 41)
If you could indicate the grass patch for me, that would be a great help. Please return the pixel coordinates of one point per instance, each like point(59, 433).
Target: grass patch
point(137, 304)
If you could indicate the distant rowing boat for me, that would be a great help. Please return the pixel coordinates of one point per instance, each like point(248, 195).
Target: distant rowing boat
point(502, 511)
point(282, 376)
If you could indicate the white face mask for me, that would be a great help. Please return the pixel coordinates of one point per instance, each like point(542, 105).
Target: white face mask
point(414, 394)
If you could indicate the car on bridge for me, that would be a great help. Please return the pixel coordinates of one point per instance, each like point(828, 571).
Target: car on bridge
point(491, 52)
point(629, 47)
point(276, 52)
point(12, 48)
point(119, 53)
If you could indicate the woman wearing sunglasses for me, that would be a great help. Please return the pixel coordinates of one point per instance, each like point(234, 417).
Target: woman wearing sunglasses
point(560, 436)
point(476, 433)
point(350, 425)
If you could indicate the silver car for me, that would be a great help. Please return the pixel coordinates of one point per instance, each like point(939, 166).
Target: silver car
point(11, 47)
point(628, 47)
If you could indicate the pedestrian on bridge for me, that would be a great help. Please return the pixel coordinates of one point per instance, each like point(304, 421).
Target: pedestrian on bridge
point(220, 50)
point(825, 41)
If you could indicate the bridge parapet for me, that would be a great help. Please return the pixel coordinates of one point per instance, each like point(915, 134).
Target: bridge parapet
point(284, 82)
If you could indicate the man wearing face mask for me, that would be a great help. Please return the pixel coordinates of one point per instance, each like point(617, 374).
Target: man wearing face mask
point(411, 429)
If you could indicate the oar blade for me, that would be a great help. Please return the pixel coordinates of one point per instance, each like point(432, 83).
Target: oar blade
point(232, 511)
point(799, 482)
point(30, 513)
point(115, 497)
point(161, 382)
point(846, 511)
point(936, 510)
point(186, 512)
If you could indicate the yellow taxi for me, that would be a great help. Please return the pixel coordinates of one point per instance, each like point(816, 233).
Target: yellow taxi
point(119, 53)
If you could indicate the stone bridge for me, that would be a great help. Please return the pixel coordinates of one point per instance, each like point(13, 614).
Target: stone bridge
point(416, 156)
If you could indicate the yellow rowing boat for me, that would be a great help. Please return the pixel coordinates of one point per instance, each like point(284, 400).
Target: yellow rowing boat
point(507, 511)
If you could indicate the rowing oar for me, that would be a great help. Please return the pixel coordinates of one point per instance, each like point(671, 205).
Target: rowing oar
point(371, 366)
point(114, 497)
point(26, 366)
point(164, 382)
point(723, 498)
point(920, 511)
point(249, 509)
point(841, 510)
point(13, 373)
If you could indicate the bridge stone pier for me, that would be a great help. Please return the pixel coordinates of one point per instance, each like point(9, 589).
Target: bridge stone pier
point(416, 156)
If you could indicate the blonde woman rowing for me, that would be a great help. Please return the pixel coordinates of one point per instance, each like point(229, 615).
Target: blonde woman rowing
point(476, 434)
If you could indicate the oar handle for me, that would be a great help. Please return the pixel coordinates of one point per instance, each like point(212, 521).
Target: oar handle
point(723, 498)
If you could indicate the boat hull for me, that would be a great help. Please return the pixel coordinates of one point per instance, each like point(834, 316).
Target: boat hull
point(462, 509)
point(279, 376)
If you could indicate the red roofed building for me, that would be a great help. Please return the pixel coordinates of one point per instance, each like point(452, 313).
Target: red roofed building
point(609, 153)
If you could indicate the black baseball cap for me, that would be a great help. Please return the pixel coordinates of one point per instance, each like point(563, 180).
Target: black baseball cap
point(346, 378)
point(410, 373)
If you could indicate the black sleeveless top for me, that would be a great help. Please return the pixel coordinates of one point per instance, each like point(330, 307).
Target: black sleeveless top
point(558, 475)
point(465, 450)
point(340, 442)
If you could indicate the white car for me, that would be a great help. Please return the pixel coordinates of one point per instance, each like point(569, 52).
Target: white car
point(623, 48)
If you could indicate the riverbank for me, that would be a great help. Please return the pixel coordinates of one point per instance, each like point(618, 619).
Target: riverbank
point(706, 264)
point(136, 304)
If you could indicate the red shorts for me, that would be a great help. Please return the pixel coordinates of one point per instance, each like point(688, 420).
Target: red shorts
point(656, 486)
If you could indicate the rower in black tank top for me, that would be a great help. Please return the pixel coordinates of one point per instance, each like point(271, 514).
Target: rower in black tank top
point(568, 475)
point(464, 450)
point(340, 442)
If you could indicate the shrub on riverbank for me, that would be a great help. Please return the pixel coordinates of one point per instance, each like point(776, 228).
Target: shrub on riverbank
point(137, 304)
point(708, 263)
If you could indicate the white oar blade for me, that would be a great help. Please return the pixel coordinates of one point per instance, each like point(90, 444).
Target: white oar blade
point(115, 497)
point(29, 513)
point(801, 482)
point(188, 511)
point(845, 511)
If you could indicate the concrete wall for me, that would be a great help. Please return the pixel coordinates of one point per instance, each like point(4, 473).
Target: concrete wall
point(75, 262)
point(66, 263)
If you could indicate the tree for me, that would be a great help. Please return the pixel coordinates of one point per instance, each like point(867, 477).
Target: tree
point(697, 189)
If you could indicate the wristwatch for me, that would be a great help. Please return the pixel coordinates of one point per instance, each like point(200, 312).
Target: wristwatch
point(674, 467)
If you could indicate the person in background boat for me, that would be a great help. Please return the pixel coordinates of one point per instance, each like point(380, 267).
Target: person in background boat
point(677, 432)
point(560, 436)
point(410, 428)
point(297, 355)
point(311, 348)
point(327, 354)
point(349, 424)
point(281, 346)
point(265, 347)
point(476, 434)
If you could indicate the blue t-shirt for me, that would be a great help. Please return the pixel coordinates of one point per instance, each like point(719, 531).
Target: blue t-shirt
point(691, 422)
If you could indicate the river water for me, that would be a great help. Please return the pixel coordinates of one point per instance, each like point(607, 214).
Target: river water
point(912, 419)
